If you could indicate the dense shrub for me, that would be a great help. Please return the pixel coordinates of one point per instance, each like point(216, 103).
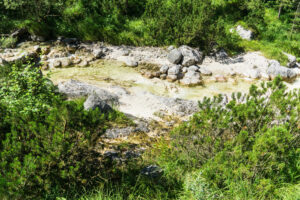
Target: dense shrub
point(250, 144)
point(202, 23)
point(47, 144)
point(8, 42)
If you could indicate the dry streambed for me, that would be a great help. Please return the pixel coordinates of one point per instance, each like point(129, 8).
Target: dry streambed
point(150, 85)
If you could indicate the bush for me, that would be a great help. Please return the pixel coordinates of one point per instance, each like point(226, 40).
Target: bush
point(248, 148)
point(8, 42)
point(48, 145)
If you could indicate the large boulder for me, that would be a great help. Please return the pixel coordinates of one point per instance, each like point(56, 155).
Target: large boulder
point(37, 38)
point(221, 56)
point(175, 56)
point(65, 62)
point(190, 56)
point(70, 41)
point(95, 101)
point(191, 78)
point(20, 34)
point(244, 33)
point(292, 60)
point(276, 69)
point(98, 53)
point(131, 62)
point(54, 63)
point(75, 89)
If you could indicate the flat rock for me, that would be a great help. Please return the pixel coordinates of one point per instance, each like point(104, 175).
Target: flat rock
point(75, 89)
point(276, 69)
point(95, 101)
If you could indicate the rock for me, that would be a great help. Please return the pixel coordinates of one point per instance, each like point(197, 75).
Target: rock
point(275, 69)
point(164, 69)
point(175, 56)
point(156, 74)
point(221, 56)
point(254, 74)
point(142, 127)
point(243, 33)
point(125, 53)
point(118, 132)
point(65, 62)
point(152, 171)
point(60, 39)
point(55, 63)
point(205, 72)
point(112, 155)
point(131, 63)
point(174, 70)
point(172, 78)
point(190, 56)
point(191, 78)
point(71, 48)
point(184, 69)
point(54, 53)
point(89, 59)
point(292, 60)
point(297, 71)
point(132, 154)
point(98, 53)
point(45, 65)
point(69, 41)
point(76, 60)
point(232, 73)
point(37, 49)
point(163, 76)
point(37, 38)
point(95, 101)
point(193, 68)
point(45, 50)
point(170, 48)
point(220, 78)
point(83, 63)
point(75, 89)
point(20, 34)
point(148, 75)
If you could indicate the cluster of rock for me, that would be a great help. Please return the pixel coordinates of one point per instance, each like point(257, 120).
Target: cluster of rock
point(186, 65)
point(182, 66)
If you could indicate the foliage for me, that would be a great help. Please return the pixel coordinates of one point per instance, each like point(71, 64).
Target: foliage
point(48, 145)
point(251, 144)
point(8, 42)
point(202, 23)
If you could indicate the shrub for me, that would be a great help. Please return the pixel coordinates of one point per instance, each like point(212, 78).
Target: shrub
point(48, 145)
point(8, 42)
point(249, 146)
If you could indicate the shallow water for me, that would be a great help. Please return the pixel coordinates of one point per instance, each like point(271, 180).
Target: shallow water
point(106, 73)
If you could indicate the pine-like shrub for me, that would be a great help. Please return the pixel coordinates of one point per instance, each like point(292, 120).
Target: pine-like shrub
point(47, 145)
point(248, 148)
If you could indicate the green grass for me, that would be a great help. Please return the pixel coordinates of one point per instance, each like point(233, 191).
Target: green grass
point(274, 38)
